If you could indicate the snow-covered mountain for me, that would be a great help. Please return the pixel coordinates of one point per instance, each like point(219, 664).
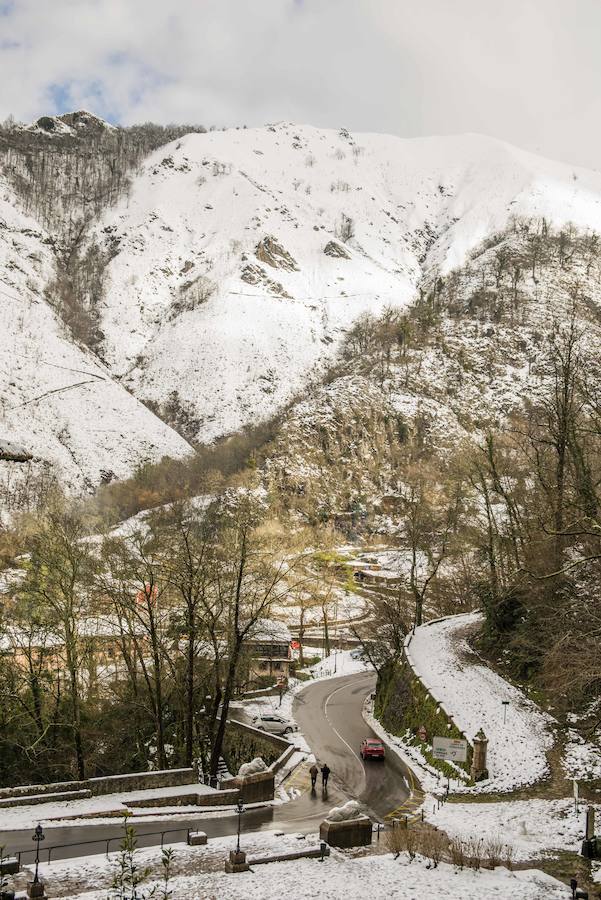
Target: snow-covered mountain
point(241, 256)
point(56, 398)
point(234, 264)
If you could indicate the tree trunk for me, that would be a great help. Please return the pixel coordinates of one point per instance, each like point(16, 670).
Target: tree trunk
point(76, 714)
point(190, 693)
point(216, 749)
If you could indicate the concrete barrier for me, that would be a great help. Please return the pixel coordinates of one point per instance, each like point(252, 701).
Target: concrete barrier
point(309, 853)
point(348, 833)
point(9, 865)
point(197, 838)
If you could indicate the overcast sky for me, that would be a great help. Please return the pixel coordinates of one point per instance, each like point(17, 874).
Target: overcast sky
point(527, 71)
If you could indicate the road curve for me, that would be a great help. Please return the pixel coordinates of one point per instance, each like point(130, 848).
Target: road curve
point(329, 713)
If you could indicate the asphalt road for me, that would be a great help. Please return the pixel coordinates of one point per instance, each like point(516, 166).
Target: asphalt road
point(329, 715)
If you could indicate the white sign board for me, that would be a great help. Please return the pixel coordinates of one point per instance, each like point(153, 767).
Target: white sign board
point(453, 749)
point(575, 789)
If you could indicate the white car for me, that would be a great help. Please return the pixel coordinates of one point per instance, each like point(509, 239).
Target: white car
point(274, 724)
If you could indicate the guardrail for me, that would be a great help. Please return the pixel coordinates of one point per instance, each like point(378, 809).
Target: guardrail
point(105, 842)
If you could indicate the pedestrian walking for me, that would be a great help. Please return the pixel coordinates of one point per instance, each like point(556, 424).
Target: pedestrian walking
point(313, 771)
point(325, 774)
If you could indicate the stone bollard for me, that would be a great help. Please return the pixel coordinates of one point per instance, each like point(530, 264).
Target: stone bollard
point(36, 889)
point(196, 838)
point(479, 770)
point(9, 865)
point(237, 862)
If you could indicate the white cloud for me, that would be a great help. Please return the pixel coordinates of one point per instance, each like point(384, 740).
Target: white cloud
point(524, 70)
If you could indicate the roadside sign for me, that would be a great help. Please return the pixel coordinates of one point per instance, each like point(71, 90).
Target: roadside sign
point(452, 749)
point(575, 790)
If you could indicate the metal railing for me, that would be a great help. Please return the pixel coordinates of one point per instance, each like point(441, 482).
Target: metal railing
point(106, 842)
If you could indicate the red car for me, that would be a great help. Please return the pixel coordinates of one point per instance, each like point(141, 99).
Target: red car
point(372, 749)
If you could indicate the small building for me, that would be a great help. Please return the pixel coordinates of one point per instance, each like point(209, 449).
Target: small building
point(269, 650)
point(376, 575)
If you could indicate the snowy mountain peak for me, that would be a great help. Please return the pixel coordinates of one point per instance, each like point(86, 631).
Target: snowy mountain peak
point(74, 123)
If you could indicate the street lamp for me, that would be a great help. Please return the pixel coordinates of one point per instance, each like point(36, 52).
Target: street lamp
point(239, 810)
point(38, 836)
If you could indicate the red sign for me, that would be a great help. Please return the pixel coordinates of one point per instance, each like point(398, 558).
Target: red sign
point(148, 594)
point(295, 645)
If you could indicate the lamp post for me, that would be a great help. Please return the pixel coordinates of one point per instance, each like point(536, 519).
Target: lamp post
point(239, 810)
point(38, 837)
point(237, 861)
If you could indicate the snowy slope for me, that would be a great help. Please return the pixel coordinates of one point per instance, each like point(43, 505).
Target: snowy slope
point(201, 207)
point(474, 695)
point(56, 399)
point(231, 279)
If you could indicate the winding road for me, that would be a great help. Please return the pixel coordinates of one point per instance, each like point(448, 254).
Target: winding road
point(329, 714)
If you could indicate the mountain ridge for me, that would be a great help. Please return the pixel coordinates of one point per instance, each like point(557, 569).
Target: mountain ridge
point(231, 267)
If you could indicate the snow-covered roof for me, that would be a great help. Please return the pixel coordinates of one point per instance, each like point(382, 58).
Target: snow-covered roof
point(270, 630)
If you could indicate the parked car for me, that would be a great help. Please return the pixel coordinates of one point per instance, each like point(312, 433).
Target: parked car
point(372, 749)
point(274, 724)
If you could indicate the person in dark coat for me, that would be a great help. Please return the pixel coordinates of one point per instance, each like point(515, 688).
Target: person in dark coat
point(313, 771)
point(325, 774)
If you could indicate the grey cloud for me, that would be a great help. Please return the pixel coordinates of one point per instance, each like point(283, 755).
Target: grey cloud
point(523, 70)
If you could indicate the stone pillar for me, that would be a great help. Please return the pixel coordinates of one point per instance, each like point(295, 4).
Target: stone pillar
point(36, 889)
point(253, 788)
point(479, 769)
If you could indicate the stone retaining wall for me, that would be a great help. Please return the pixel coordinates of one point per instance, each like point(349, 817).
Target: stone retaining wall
point(217, 798)
point(54, 788)
point(448, 725)
point(280, 742)
point(34, 799)
point(141, 781)
point(109, 784)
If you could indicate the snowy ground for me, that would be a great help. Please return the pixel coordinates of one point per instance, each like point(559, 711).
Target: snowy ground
point(582, 760)
point(534, 828)
point(340, 876)
point(474, 695)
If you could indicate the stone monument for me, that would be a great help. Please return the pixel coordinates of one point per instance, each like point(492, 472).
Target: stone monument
point(346, 826)
point(479, 769)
